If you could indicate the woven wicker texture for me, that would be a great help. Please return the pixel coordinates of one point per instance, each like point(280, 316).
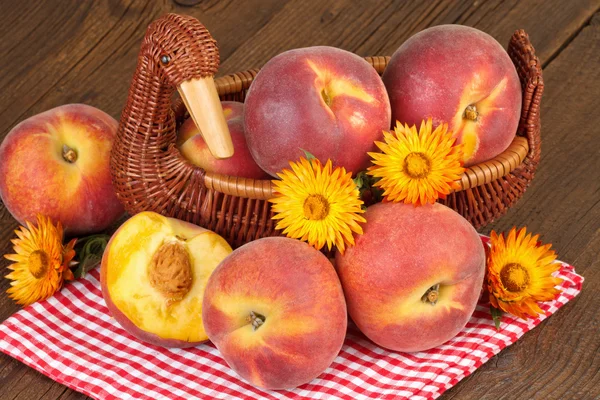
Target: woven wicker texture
point(150, 174)
point(148, 171)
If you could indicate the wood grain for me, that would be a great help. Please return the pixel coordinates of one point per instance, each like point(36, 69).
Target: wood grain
point(378, 27)
point(59, 52)
point(86, 51)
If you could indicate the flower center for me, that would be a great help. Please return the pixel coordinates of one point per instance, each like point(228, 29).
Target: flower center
point(316, 207)
point(38, 263)
point(514, 277)
point(417, 165)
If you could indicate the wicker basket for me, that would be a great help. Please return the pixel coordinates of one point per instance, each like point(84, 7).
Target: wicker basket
point(238, 208)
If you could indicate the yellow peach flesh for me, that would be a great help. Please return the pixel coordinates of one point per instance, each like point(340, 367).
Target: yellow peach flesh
point(129, 284)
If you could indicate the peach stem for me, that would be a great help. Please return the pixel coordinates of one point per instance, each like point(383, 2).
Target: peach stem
point(431, 295)
point(326, 97)
point(256, 320)
point(69, 154)
point(471, 113)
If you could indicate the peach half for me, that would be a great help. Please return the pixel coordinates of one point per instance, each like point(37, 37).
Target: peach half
point(153, 274)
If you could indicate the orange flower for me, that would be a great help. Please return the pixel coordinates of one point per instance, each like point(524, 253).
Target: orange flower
point(519, 273)
point(417, 168)
point(317, 204)
point(41, 263)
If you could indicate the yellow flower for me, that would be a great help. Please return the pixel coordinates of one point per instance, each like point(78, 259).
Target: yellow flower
point(519, 273)
point(417, 168)
point(317, 204)
point(41, 264)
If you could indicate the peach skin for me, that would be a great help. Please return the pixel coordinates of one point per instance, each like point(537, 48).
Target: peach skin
point(194, 148)
point(57, 163)
point(327, 101)
point(462, 76)
point(275, 310)
point(414, 277)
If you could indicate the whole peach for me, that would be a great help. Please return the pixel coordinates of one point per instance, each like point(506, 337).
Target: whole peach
point(327, 101)
point(275, 310)
point(414, 277)
point(57, 163)
point(194, 148)
point(462, 76)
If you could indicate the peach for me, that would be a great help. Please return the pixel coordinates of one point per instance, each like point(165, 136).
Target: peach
point(153, 274)
point(414, 277)
point(194, 148)
point(327, 101)
point(275, 310)
point(57, 163)
point(462, 76)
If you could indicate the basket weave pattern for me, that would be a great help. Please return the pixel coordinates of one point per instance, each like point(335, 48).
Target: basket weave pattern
point(149, 173)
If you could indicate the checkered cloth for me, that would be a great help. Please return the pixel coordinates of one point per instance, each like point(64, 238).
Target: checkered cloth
point(72, 339)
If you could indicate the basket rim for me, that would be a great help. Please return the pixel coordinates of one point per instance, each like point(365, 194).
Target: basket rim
point(473, 176)
point(263, 189)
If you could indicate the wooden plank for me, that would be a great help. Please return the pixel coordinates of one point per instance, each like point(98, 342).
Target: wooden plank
point(60, 46)
point(19, 382)
point(377, 28)
point(559, 358)
point(7, 306)
point(74, 49)
point(4, 214)
point(87, 51)
point(548, 27)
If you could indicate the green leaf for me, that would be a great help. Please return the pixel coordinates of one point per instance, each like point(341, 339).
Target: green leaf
point(360, 180)
point(309, 156)
point(496, 316)
point(367, 190)
point(89, 251)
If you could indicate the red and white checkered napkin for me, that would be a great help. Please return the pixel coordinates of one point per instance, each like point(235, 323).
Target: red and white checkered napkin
point(72, 339)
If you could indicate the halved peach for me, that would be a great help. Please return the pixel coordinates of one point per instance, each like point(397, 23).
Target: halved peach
point(153, 275)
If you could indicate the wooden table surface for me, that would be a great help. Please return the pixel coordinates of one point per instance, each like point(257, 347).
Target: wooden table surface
point(58, 51)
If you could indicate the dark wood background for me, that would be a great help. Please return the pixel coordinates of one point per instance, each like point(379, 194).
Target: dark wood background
point(66, 51)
